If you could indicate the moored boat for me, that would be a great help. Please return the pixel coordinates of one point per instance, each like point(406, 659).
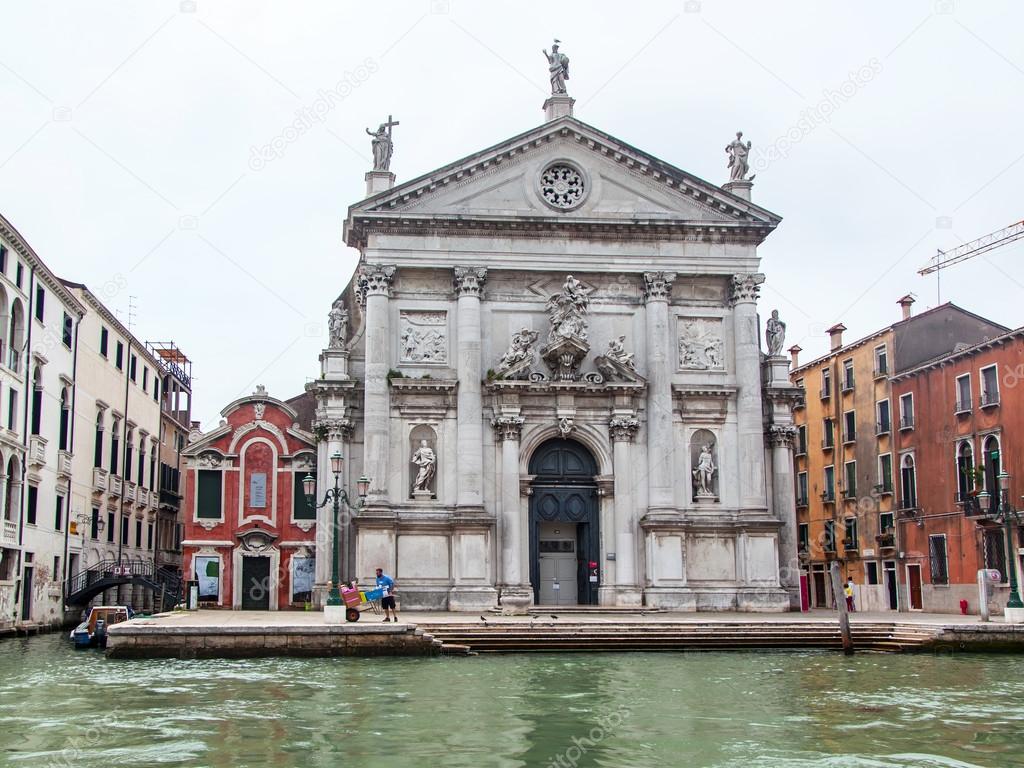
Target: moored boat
point(93, 631)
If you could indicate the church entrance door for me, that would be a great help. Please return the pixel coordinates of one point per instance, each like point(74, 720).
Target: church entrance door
point(564, 534)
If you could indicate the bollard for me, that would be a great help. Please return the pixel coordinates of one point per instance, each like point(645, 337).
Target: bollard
point(844, 619)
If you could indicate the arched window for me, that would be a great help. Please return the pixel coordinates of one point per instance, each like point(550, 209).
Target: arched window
point(65, 419)
point(37, 400)
point(129, 453)
point(16, 337)
point(5, 325)
point(152, 468)
point(97, 456)
point(142, 460)
point(908, 476)
point(115, 433)
point(12, 501)
point(964, 470)
point(992, 463)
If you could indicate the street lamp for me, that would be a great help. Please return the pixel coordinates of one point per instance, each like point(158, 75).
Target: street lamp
point(1009, 517)
point(337, 496)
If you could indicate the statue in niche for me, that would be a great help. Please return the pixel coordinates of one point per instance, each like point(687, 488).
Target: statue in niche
point(519, 354)
point(424, 458)
point(558, 69)
point(775, 334)
point(738, 153)
point(337, 322)
point(704, 473)
point(617, 352)
point(566, 310)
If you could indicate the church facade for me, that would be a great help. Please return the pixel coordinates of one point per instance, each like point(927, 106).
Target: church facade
point(548, 364)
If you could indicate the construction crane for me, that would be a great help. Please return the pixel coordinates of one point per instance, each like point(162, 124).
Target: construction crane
point(984, 244)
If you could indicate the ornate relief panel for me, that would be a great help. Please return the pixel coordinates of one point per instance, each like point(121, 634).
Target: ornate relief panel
point(423, 336)
point(701, 344)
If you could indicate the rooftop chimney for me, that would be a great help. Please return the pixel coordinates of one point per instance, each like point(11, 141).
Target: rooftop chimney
point(794, 354)
point(905, 303)
point(836, 333)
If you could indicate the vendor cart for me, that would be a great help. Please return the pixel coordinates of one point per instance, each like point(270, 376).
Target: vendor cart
point(357, 600)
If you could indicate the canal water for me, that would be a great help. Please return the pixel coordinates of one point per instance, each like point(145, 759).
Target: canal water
point(59, 707)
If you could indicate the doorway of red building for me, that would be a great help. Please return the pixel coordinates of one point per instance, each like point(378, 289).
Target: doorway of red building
point(820, 591)
point(891, 588)
point(914, 586)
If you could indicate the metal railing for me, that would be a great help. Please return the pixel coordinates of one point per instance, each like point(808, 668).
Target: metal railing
point(988, 399)
point(907, 422)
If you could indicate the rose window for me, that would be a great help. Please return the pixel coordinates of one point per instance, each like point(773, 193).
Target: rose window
point(562, 186)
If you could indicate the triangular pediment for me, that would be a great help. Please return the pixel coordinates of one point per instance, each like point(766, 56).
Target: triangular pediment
point(563, 171)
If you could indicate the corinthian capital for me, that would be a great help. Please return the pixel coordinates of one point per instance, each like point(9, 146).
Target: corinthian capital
point(375, 280)
point(335, 430)
point(780, 435)
point(469, 281)
point(745, 288)
point(623, 428)
point(658, 285)
point(507, 427)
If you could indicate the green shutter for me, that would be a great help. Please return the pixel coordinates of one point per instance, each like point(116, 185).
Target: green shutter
point(209, 501)
point(302, 510)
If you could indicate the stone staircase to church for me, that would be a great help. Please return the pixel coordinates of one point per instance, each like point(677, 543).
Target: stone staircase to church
point(557, 635)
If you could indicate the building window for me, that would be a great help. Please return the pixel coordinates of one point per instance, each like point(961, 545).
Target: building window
point(881, 360)
point(208, 504)
point(301, 510)
point(131, 367)
point(937, 557)
point(110, 526)
point(65, 419)
point(829, 542)
point(826, 383)
point(68, 328)
point(907, 411)
point(801, 489)
point(156, 389)
point(33, 505)
point(829, 493)
point(964, 470)
point(58, 514)
point(40, 303)
point(871, 573)
point(152, 468)
point(142, 461)
point(114, 446)
point(19, 274)
point(989, 386)
point(886, 523)
point(851, 541)
point(850, 427)
point(885, 473)
point(145, 379)
point(850, 479)
point(37, 401)
point(12, 410)
point(119, 356)
point(149, 536)
point(828, 431)
point(883, 421)
point(801, 440)
point(104, 340)
point(963, 394)
point(847, 375)
point(995, 552)
point(804, 538)
point(992, 463)
point(97, 456)
point(138, 533)
point(94, 524)
point(124, 531)
point(908, 481)
point(3, 259)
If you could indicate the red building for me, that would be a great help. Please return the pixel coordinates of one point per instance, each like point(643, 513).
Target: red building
point(249, 533)
point(961, 421)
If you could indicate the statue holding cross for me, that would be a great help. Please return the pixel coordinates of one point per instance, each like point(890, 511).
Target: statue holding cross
point(382, 144)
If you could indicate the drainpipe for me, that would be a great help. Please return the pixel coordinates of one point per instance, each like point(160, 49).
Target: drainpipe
point(71, 450)
point(18, 597)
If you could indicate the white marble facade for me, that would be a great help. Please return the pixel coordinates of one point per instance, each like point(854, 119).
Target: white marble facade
point(564, 286)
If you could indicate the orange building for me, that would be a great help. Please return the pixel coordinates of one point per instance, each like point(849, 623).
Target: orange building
point(962, 419)
point(846, 456)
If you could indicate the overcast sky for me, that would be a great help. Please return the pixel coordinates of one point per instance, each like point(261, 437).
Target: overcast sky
point(882, 131)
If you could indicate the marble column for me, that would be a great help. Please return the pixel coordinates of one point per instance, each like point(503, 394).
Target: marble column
point(375, 282)
point(657, 290)
point(623, 430)
point(469, 283)
point(749, 416)
point(338, 437)
point(780, 438)
point(515, 593)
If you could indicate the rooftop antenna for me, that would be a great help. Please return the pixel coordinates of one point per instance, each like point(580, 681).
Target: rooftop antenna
point(132, 315)
point(983, 244)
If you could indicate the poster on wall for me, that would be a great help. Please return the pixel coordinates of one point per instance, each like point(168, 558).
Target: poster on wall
point(258, 490)
point(208, 576)
point(302, 579)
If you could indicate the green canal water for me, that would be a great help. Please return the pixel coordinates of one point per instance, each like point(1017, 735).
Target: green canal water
point(59, 707)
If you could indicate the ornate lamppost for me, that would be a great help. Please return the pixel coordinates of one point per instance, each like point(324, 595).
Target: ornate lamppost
point(1010, 518)
point(336, 496)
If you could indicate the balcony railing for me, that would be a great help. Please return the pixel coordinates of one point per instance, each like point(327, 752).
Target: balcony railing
point(36, 451)
point(129, 491)
point(906, 422)
point(850, 545)
point(883, 428)
point(884, 488)
point(881, 370)
point(962, 407)
point(99, 480)
point(826, 393)
point(9, 533)
point(988, 399)
point(849, 493)
point(114, 486)
point(850, 437)
point(886, 540)
point(828, 444)
point(13, 359)
point(64, 463)
point(847, 386)
point(801, 501)
point(973, 507)
point(908, 504)
point(828, 496)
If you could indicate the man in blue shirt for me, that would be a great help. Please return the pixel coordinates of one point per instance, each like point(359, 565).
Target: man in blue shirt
point(387, 602)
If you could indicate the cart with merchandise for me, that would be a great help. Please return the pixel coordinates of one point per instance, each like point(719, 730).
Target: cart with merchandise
point(357, 600)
